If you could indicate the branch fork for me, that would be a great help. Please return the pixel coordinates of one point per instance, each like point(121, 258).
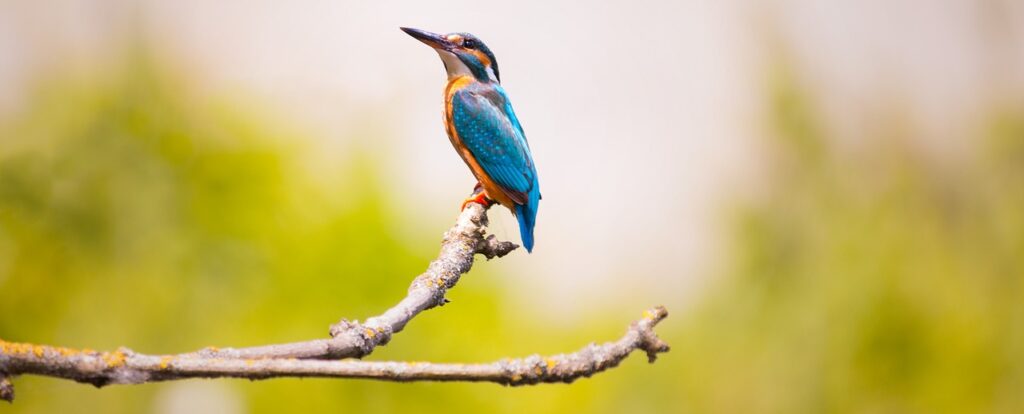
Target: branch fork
point(331, 357)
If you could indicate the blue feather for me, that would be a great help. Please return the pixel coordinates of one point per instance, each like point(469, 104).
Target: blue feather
point(488, 127)
point(527, 216)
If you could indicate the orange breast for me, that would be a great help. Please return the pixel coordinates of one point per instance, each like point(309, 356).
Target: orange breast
point(491, 189)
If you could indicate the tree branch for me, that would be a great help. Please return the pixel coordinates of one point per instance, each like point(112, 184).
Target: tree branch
point(127, 367)
point(349, 339)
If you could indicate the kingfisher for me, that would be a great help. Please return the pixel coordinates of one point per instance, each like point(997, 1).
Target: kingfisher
point(483, 128)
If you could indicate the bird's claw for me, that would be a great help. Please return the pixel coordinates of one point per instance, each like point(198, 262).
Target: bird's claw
point(478, 197)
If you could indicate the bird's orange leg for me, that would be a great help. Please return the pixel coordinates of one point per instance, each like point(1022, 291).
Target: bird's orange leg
point(478, 197)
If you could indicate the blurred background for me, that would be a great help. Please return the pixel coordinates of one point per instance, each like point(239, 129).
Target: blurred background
point(827, 196)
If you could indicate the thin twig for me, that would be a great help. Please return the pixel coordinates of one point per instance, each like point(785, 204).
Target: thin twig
point(126, 367)
point(6, 388)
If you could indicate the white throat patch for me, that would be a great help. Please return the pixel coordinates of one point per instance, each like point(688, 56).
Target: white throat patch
point(455, 66)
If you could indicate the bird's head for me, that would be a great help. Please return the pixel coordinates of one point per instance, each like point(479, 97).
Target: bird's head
point(462, 54)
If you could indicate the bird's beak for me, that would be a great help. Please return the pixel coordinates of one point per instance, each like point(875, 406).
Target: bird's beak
point(433, 40)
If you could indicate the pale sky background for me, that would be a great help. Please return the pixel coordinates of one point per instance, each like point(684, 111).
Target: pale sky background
point(644, 117)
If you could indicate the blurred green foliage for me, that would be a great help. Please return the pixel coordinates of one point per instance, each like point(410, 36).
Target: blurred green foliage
point(132, 213)
point(873, 282)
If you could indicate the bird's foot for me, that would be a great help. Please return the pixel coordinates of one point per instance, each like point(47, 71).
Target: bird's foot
point(478, 197)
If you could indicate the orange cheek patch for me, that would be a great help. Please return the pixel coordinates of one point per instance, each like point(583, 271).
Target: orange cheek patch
point(483, 57)
point(454, 38)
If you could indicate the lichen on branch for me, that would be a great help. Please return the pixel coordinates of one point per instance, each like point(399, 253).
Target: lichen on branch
point(332, 357)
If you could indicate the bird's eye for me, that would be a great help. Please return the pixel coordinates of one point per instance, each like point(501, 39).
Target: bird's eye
point(469, 44)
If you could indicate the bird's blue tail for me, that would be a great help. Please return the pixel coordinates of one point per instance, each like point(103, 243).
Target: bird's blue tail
point(527, 216)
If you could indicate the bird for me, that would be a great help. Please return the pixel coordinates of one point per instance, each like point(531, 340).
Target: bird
point(484, 130)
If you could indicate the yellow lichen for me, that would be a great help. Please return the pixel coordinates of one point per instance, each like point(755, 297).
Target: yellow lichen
point(550, 362)
point(39, 351)
point(370, 332)
point(165, 361)
point(249, 362)
point(114, 359)
point(648, 315)
point(538, 371)
point(18, 348)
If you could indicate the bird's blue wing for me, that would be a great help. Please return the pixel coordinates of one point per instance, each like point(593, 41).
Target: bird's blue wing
point(489, 129)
